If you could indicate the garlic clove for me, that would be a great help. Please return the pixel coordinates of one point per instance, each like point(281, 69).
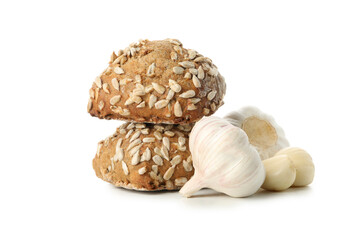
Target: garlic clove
point(305, 169)
point(280, 173)
point(263, 131)
point(223, 160)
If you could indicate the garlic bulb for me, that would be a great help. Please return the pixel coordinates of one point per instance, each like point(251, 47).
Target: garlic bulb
point(263, 132)
point(223, 160)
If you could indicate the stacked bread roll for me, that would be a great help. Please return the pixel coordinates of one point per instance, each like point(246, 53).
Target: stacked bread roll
point(160, 89)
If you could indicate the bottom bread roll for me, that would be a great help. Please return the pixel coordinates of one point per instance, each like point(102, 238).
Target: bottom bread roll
point(145, 157)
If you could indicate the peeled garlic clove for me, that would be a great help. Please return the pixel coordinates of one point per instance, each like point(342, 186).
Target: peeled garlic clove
point(280, 173)
point(305, 169)
point(263, 132)
point(223, 160)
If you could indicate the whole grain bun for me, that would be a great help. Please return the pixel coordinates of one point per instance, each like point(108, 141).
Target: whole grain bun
point(145, 157)
point(157, 82)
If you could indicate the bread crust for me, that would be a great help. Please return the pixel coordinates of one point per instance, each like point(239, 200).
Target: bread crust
point(122, 159)
point(157, 82)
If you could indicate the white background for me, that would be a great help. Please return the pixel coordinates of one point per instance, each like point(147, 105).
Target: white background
point(297, 60)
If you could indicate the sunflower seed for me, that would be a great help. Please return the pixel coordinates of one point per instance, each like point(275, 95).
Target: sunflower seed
point(133, 144)
point(174, 86)
point(180, 148)
point(135, 136)
point(157, 160)
point(122, 131)
point(213, 72)
point(161, 104)
point(138, 78)
point(177, 109)
point(89, 106)
point(145, 131)
point(181, 141)
point(140, 125)
point(119, 70)
point(101, 105)
point(158, 88)
point(196, 82)
point(174, 41)
point(119, 155)
point(178, 70)
point(99, 146)
point(106, 88)
point(125, 81)
point(115, 83)
point(159, 127)
point(115, 99)
point(158, 135)
point(187, 166)
point(164, 152)
point(187, 64)
point(170, 95)
point(152, 101)
point(168, 174)
point(130, 126)
point(129, 101)
point(141, 105)
point(153, 175)
point(125, 112)
point(151, 70)
point(96, 93)
point(109, 168)
point(98, 82)
point(211, 95)
point(169, 133)
point(129, 133)
point(166, 142)
point(201, 73)
point(155, 168)
point(135, 159)
point(193, 71)
point(139, 92)
point(175, 160)
point(173, 56)
point(213, 107)
point(113, 57)
point(134, 150)
point(192, 54)
point(148, 88)
point(200, 59)
point(157, 151)
point(206, 111)
point(187, 75)
point(146, 156)
point(169, 185)
point(118, 145)
point(188, 94)
point(148, 139)
point(180, 181)
point(180, 134)
point(178, 49)
point(136, 99)
point(189, 159)
point(125, 168)
point(92, 93)
point(191, 107)
point(195, 100)
point(142, 170)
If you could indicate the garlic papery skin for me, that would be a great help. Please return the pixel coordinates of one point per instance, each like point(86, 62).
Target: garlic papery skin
point(280, 173)
point(223, 160)
point(305, 169)
point(263, 131)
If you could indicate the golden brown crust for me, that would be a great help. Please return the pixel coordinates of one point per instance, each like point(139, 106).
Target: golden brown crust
point(132, 167)
point(157, 82)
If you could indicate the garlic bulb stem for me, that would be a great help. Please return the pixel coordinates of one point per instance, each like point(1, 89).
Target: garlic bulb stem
point(192, 186)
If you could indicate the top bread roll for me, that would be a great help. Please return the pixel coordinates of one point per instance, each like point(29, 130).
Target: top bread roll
point(157, 82)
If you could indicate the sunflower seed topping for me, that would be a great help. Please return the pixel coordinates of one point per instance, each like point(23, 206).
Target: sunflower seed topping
point(136, 158)
point(157, 160)
point(166, 142)
point(181, 141)
point(161, 104)
point(115, 99)
point(145, 131)
point(173, 56)
point(158, 88)
point(213, 107)
point(148, 139)
point(175, 160)
point(129, 133)
point(188, 94)
point(169, 133)
point(177, 109)
point(187, 64)
point(211, 95)
point(135, 136)
point(142, 170)
point(151, 70)
point(193, 71)
point(155, 168)
point(133, 144)
point(134, 150)
point(170, 95)
point(115, 83)
point(101, 105)
point(191, 107)
point(125, 168)
point(174, 86)
point(201, 73)
point(192, 54)
point(165, 152)
point(158, 135)
point(146, 156)
point(141, 105)
point(98, 82)
point(195, 100)
point(138, 78)
point(168, 174)
point(148, 88)
point(187, 166)
point(206, 111)
point(187, 75)
point(196, 82)
point(89, 106)
point(152, 101)
point(119, 70)
point(178, 70)
point(157, 151)
point(106, 88)
point(180, 181)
